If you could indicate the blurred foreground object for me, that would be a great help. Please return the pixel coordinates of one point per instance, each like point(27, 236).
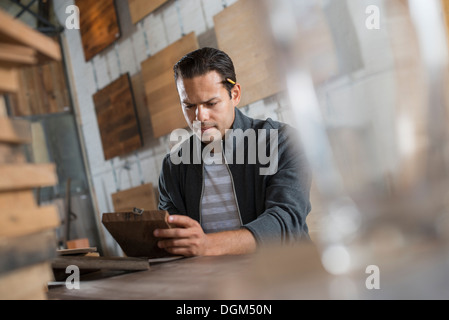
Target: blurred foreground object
point(27, 231)
point(371, 107)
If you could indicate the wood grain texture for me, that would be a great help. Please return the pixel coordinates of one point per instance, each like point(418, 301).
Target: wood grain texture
point(17, 55)
point(99, 25)
point(242, 32)
point(160, 89)
point(27, 283)
point(141, 197)
point(19, 252)
point(134, 233)
point(42, 90)
point(15, 131)
point(9, 80)
point(27, 176)
point(140, 8)
point(110, 263)
point(117, 118)
point(18, 222)
point(13, 31)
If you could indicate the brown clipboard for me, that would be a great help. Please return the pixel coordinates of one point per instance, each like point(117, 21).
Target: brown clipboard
point(133, 231)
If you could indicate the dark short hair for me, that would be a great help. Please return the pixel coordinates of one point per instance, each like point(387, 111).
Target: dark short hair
point(202, 61)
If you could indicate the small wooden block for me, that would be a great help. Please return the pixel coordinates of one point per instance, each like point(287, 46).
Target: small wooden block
point(134, 232)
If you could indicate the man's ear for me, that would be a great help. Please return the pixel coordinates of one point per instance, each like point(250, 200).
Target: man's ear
point(236, 94)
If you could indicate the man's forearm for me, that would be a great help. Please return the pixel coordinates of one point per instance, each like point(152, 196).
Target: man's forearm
point(231, 242)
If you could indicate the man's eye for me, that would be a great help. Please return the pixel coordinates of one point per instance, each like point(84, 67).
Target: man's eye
point(188, 106)
point(211, 104)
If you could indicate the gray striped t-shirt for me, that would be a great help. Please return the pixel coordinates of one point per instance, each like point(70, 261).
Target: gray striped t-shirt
point(218, 205)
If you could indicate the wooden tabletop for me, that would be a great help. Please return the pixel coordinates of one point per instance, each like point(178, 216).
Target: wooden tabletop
point(184, 278)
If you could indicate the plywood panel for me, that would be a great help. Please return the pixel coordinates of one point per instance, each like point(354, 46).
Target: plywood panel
point(242, 31)
point(117, 118)
point(140, 8)
point(98, 25)
point(160, 89)
point(141, 197)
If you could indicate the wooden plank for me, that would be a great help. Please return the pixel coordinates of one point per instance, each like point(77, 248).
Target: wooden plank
point(15, 130)
point(160, 89)
point(17, 55)
point(21, 200)
point(9, 80)
point(242, 32)
point(134, 233)
point(140, 8)
point(99, 25)
point(109, 263)
point(117, 118)
point(27, 176)
point(14, 31)
point(27, 283)
point(137, 197)
point(16, 222)
point(18, 252)
point(78, 251)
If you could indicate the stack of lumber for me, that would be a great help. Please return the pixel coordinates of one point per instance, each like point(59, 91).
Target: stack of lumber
point(27, 231)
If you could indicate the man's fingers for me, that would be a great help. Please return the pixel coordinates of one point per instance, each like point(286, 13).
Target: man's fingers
point(182, 221)
point(172, 233)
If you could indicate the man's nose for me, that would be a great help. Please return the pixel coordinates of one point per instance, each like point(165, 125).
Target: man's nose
point(202, 113)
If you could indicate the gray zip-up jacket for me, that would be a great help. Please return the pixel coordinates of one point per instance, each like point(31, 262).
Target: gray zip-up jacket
point(272, 206)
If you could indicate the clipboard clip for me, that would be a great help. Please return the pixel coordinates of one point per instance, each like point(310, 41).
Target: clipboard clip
point(138, 211)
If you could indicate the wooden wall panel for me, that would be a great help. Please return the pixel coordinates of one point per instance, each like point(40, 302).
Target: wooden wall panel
point(242, 32)
point(99, 25)
point(117, 118)
point(140, 8)
point(141, 197)
point(160, 89)
point(42, 90)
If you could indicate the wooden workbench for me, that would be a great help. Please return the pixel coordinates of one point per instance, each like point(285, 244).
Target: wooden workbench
point(271, 275)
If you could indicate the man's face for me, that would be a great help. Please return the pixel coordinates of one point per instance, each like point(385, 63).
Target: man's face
point(205, 101)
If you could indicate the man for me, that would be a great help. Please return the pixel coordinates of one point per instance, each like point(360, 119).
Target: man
point(229, 207)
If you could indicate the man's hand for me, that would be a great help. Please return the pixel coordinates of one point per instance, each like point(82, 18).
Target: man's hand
point(189, 239)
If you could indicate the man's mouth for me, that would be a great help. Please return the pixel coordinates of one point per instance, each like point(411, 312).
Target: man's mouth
point(204, 129)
